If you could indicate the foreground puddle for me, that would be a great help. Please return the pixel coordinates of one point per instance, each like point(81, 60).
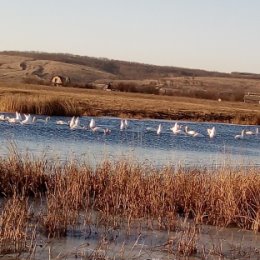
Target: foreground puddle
point(187, 241)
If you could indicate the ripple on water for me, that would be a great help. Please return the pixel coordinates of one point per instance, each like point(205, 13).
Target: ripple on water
point(135, 143)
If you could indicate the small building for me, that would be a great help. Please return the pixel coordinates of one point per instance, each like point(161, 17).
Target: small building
point(252, 98)
point(59, 80)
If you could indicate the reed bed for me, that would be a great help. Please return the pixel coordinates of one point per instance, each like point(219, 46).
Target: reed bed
point(44, 198)
point(16, 96)
point(224, 197)
point(41, 105)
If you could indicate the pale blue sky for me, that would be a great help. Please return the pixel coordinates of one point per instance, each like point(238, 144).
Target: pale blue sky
point(222, 35)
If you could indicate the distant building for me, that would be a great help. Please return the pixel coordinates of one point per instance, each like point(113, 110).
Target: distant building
point(252, 98)
point(60, 80)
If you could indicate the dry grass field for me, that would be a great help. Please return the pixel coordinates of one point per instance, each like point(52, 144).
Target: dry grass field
point(70, 101)
point(212, 88)
point(23, 69)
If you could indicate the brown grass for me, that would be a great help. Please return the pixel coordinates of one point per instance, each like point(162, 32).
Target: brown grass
point(102, 103)
point(213, 88)
point(226, 197)
point(15, 236)
point(40, 105)
point(122, 195)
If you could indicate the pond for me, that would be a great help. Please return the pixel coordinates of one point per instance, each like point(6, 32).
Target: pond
point(139, 142)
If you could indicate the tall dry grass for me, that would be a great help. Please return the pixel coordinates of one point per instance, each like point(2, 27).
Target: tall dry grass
point(105, 103)
point(120, 193)
point(15, 233)
point(40, 105)
point(113, 195)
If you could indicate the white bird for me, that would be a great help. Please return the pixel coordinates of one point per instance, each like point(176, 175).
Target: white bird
point(16, 119)
point(249, 132)
point(241, 136)
point(92, 123)
point(159, 129)
point(2, 118)
point(28, 120)
point(41, 120)
point(257, 131)
point(198, 135)
point(75, 124)
point(107, 131)
point(61, 122)
point(12, 120)
point(192, 132)
point(122, 124)
point(72, 122)
point(150, 129)
point(99, 129)
point(18, 116)
point(189, 132)
point(211, 132)
point(179, 132)
point(176, 129)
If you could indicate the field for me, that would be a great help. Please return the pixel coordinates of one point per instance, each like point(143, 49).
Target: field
point(210, 88)
point(28, 98)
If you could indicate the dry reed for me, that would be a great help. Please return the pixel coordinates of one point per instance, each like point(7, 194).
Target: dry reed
point(224, 197)
point(15, 233)
point(105, 103)
point(40, 105)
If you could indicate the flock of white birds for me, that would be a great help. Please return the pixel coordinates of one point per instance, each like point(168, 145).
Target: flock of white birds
point(74, 123)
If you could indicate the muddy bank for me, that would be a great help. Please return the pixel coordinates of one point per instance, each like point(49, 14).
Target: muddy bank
point(187, 241)
point(249, 119)
point(63, 101)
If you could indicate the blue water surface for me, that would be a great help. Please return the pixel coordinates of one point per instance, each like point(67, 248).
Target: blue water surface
point(136, 143)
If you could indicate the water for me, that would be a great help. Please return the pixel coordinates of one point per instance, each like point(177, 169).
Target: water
point(136, 143)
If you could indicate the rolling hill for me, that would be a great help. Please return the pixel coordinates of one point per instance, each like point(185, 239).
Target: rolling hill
point(117, 69)
point(83, 71)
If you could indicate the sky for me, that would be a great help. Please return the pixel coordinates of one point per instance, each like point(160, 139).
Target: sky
point(216, 35)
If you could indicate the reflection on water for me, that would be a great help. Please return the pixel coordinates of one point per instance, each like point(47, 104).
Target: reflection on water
point(136, 143)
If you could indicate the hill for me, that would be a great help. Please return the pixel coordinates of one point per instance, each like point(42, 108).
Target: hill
point(120, 69)
point(88, 72)
point(20, 68)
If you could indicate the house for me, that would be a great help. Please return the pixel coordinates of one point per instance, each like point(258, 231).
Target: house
point(252, 98)
point(60, 80)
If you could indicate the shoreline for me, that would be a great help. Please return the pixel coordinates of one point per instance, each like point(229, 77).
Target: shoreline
point(77, 101)
point(143, 119)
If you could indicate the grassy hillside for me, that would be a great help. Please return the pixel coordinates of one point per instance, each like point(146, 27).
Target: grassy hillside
point(88, 72)
point(121, 69)
point(31, 70)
